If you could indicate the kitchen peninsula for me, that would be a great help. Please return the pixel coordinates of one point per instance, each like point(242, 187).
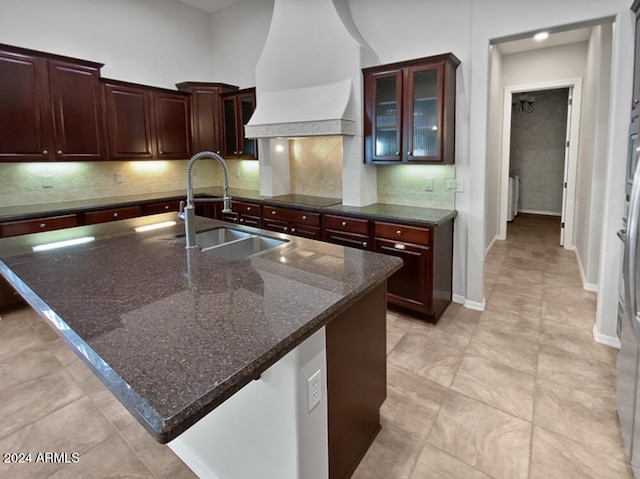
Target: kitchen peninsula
point(176, 334)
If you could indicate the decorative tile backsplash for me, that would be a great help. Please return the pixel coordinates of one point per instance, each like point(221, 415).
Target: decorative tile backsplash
point(315, 166)
point(405, 185)
point(24, 183)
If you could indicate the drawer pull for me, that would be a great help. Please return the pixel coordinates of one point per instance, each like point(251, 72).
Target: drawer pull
point(59, 152)
point(398, 232)
point(304, 217)
point(43, 225)
point(115, 215)
point(344, 223)
point(273, 212)
point(248, 208)
point(399, 246)
point(293, 230)
point(45, 152)
point(241, 220)
point(166, 207)
point(364, 244)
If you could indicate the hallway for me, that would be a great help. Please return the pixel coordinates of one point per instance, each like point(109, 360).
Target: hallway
point(520, 390)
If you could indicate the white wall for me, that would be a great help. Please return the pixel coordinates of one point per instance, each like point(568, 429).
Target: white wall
point(153, 42)
point(493, 197)
point(238, 36)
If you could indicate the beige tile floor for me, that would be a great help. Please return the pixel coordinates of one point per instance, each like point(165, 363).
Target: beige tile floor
point(520, 390)
point(517, 391)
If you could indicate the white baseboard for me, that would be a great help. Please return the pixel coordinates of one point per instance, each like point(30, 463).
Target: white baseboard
point(457, 298)
point(587, 286)
point(538, 212)
point(612, 341)
point(488, 248)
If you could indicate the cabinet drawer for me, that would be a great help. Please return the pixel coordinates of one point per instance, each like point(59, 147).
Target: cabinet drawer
point(343, 223)
point(164, 207)
point(250, 209)
point(250, 221)
point(15, 228)
point(293, 216)
point(112, 214)
point(397, 232)
point(344, 238)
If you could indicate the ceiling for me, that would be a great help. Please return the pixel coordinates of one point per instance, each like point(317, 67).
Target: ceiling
point(209, 5)
point(555, 39)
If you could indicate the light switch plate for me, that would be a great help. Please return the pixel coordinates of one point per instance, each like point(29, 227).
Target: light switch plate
point(428, 184)
point(454, 184)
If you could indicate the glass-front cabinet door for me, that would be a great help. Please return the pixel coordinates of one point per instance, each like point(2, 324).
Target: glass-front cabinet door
point(237, 108)
point(423, 113)
point(410, 111)
point(387, 127)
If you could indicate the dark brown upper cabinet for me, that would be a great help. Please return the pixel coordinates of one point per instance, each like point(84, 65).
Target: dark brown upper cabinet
point(145, 122)
point(237, 108)
point(51, 107)
point(206, 114)
point(409, 111)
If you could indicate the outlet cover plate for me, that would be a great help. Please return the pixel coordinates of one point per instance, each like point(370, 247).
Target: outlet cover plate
point(314, 390)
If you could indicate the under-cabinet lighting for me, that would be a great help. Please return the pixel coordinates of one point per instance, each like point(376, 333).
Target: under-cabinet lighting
point(149, 166)
point(154, 226)
point(541, 36)
point(63, 244)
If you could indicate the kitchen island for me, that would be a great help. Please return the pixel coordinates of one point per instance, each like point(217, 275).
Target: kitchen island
point(176, 333)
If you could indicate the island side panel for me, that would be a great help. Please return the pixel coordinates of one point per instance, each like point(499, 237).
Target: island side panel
point(442, 270)
point(356, 380)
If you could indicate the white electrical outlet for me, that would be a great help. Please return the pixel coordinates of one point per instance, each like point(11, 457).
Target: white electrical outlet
point(47, 181)
point(428, 184)
point(454, 184)
point(314, 390)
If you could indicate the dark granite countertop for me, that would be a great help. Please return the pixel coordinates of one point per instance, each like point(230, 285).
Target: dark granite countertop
point(173, 332)
point(426, 216)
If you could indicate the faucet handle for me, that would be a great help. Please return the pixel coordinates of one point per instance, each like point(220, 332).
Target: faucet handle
point(181, 210)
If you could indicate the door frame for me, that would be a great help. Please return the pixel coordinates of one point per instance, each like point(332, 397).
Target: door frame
point(568, 207)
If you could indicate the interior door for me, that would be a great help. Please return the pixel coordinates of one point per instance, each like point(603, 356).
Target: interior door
point(565, 176)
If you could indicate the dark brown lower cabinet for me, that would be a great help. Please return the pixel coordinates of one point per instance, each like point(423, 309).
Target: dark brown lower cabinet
point(422, 287)
point(356, 380)
point(9, 299)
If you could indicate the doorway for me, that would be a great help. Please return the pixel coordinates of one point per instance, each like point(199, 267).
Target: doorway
point(547, 185)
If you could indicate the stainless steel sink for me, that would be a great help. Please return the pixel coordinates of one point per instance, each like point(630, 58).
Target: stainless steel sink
point(234, 244)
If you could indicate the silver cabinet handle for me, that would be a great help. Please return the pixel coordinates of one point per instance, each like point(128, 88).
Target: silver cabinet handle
point(293, 230)
point(286, 228)
point(364, 244)
point(304, 217)
point(45, 152)
point(273, 212)
point(248, 208)
point(161, 152)
point(398, 232)
point(240, 152)
point(241, 220)
point(115, 215)
point(166, 207)
point(43, 225)
point(397, 153)
point(344, 223)
point(409, 153)
point(399, 246)
point(59, 152)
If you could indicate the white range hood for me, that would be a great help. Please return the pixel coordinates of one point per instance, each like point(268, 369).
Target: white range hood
point(319, 110)
point(309, 84)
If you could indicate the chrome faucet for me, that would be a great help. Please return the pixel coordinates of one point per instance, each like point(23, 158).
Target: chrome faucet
point(187, 211)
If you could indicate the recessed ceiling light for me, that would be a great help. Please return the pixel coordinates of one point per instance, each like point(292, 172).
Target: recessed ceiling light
point(541, 36)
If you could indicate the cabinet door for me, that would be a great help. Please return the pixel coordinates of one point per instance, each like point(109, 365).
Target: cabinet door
point(409, 286)
point(77, 112)
point(230, 141)
point(423, 113)
point(237, 109)
point(246, 104)
point(383, 117)
point(129, 122)
point(172, 125)
point(25, 123)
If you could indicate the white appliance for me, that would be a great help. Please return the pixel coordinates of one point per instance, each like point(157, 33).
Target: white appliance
point(628, 370)
point(514, 195)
